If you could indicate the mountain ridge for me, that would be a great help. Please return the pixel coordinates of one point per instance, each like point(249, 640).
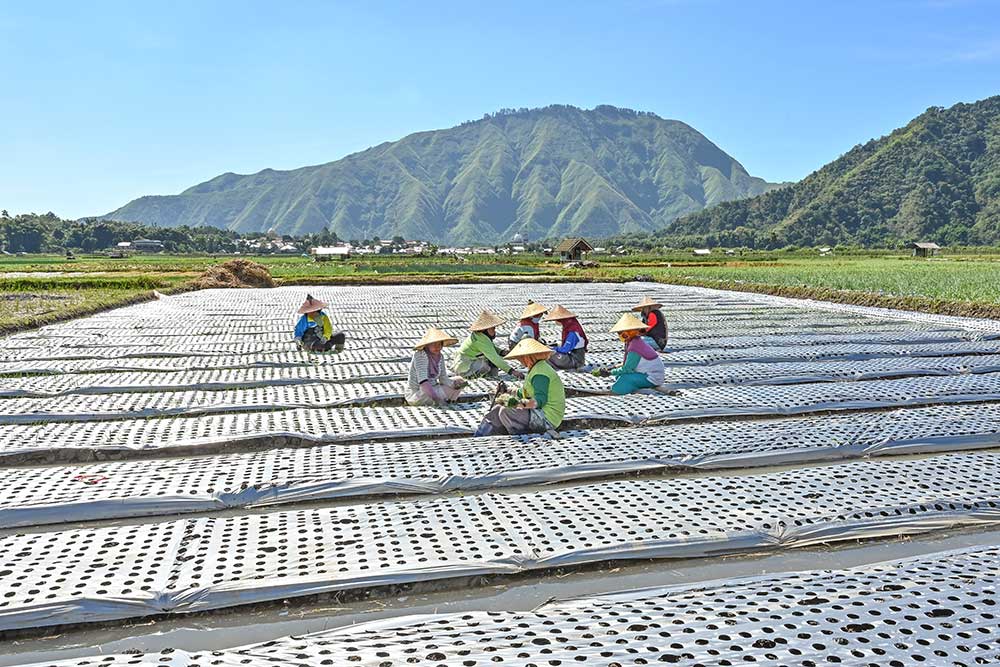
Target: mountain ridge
point(547, 172)
point(937, 178)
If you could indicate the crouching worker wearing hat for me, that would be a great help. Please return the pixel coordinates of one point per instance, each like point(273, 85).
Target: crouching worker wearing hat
point(642, 367)
point(538, 406)
point(314, 332)
point(572, 352)
point(478, 355)
point(531, 317)
point(430, 383)
point(652, 316)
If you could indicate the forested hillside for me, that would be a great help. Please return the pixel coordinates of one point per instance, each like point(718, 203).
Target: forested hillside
point(936, 179)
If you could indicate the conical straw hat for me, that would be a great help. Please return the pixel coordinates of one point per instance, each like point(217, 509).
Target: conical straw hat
point(558, 313)
point(647, 302)
point(435, 336)
point(532, 309)
point(311, 305)
point(527, 347)
point(629, 322)
point(485, 321)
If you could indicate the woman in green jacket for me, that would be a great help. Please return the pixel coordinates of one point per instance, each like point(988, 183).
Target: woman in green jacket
point(478, 355)
point(538, 406)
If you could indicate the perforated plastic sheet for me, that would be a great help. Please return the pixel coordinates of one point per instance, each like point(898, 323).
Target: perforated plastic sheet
point(20, 359)
point(194, 345)
point(66, 494)
point(683, 335)
point(83, 440)
point(258, 317)
point(402, 337)
point(683, 377)
point(756, 339)
point(677, 377)
point(70, 441)
point(208, 380)
point(295, 359)
point(846, 351)
point(211, 563)
point(935, 610)
point(83, 407)
point(734, 401)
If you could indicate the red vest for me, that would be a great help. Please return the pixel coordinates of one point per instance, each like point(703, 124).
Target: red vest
point(573, 324)
point(658, 331)
point(534, 326)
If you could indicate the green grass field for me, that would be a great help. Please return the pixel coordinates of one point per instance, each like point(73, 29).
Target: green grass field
point(974, 281)
point(35, 290)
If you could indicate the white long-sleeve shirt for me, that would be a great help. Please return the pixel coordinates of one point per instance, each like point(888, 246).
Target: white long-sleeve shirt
point(420, 372)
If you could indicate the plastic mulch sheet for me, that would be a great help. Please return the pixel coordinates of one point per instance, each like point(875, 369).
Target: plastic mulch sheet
point(937, 609)
point(208, 563)
point(795, 372)
point(35, 431)
point(788, 399)
point(108, 490)
point(81, 440)
point(84, 407)
point(677, 376)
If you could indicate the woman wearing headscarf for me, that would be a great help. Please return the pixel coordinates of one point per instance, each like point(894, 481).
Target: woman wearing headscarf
point(538, 406)
point(571, 353)
point(649, 311)
point(478, 355)
point(314, 331)
point(430, 383)
point(528, 327)
point(642, 367)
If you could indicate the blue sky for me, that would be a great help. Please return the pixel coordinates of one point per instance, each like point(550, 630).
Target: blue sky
point(106, 101)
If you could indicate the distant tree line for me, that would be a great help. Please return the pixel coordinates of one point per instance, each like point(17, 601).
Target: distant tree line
point(48, 233)
point(34, 233)
point(522, 111)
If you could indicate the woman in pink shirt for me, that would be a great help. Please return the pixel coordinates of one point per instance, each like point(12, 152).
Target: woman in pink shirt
point(642, 367)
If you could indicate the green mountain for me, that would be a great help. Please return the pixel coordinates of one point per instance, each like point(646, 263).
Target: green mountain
point(549, 172)
point(937, 179)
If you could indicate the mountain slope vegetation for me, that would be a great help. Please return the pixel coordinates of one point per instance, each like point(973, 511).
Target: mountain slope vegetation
point(541, 173)
point(936, 179)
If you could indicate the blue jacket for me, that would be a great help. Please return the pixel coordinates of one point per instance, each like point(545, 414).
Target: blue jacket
point(569, 344)
point(310, 320)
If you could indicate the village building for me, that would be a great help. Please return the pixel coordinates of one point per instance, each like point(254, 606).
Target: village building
point(924, 249)
point(573, 249)
point(326, 253)
point(147, 245)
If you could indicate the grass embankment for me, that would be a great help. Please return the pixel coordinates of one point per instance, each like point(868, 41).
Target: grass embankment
point(950, 286)
point(45, 289)
point(28, 302)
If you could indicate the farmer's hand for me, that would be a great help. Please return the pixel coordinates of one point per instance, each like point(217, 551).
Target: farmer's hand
point(459, 383)
point(529, 403)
